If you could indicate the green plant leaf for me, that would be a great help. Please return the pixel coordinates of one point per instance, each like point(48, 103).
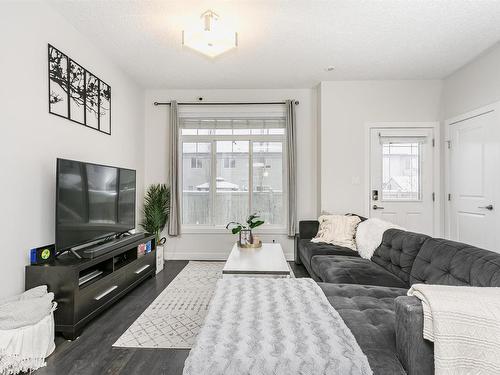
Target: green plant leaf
point(251, 218)
point(156, 211)
point(237, 229)
point(252, 222)
point(256, 223)
point(232, 222)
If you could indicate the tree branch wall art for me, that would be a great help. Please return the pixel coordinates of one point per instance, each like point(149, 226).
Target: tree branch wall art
point(77, 94)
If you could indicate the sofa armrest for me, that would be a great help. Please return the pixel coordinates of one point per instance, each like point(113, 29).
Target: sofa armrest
point(415, 353)
point(308, 229)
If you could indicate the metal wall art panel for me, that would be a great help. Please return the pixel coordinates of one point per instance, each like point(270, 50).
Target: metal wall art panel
point(77, 94)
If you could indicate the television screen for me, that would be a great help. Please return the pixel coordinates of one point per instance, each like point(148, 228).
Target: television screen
point(92, 202)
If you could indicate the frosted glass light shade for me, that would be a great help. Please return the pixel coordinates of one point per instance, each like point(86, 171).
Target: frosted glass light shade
point(211, 42)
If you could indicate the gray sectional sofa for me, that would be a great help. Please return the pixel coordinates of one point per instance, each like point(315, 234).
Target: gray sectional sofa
point(370, 295)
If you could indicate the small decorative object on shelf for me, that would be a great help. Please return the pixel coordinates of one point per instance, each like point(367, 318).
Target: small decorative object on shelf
point(246, 238)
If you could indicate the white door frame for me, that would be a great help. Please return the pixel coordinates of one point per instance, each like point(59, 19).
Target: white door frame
point(447, 159)
point(434, 125)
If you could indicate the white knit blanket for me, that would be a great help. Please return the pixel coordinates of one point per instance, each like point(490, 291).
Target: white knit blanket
point(25, 311)
point(267, 326)
point(369, 235)
point(26, 330)
point(464, 324)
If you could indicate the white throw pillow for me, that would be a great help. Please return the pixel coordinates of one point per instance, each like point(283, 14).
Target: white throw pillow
point(337, 230)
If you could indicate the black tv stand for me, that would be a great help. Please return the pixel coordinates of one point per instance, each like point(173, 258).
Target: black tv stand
point(83, 288)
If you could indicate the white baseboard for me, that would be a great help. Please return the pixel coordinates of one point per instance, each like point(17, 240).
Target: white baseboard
point(204, 255)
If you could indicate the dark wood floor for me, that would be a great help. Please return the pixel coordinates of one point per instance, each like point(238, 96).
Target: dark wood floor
point(92, 353)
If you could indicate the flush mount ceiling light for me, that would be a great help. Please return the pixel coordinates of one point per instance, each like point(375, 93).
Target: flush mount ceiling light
point(211, 38)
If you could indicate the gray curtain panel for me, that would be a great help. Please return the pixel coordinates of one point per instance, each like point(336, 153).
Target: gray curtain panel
point(174, 224)
point(291, 134)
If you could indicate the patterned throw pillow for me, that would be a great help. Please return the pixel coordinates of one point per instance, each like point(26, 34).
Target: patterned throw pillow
point(337, 230)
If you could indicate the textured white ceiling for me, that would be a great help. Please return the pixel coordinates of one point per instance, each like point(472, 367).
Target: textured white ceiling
point(288, 44)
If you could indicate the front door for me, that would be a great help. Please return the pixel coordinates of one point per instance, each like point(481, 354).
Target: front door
point(474, 180)
point(401, 177)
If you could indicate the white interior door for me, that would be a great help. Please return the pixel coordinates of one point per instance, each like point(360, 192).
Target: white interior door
point(474, 180)
point(401, 177)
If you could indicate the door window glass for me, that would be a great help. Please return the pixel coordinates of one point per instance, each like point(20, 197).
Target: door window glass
point(401, 171)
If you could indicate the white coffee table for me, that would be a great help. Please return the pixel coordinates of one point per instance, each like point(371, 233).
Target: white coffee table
point(266, 261)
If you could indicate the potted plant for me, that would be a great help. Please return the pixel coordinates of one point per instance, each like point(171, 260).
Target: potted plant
point(156, 213)
point(246, 238)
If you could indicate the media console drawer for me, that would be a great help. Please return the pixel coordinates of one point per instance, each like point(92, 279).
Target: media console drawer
point(140, 267)
point(97, 294)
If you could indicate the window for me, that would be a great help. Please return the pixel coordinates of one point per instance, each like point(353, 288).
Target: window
point(196, 163)
point(401, 171)
point(196, 197)
point(267, 192)
point(229, 163)
point(231, 193)
point(231, 168)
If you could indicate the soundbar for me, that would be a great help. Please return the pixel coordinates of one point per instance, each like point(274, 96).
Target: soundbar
point(95, 251)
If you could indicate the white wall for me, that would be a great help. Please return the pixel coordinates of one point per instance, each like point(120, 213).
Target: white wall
point(345, 108)
point(475, 85)
point(217, 246)
point(31, 139)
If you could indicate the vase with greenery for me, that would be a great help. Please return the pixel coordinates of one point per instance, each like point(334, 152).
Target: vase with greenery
point(253, 221)
point(156, 210)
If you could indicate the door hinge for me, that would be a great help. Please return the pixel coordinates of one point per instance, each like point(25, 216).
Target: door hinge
point(449, 197)
point(433, 197)
point(449, 144)
point(433, 142)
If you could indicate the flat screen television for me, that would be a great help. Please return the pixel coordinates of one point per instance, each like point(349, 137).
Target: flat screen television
point(92, 202)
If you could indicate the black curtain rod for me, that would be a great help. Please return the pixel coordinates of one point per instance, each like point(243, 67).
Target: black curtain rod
point(223, 103)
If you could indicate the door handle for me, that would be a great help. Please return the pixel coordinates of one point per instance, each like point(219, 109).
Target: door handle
point(488, 207)
point(375, 207)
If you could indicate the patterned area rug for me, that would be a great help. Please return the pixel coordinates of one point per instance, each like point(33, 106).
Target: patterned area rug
point(173, 319)
point(176, 315)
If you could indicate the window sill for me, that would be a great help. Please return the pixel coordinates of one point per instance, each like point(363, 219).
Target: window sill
point(222, 230)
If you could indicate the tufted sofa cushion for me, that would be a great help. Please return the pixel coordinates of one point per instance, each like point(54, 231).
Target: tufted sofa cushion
point(397, 252)
point(351, 270)
point(368, 311)
point(308, 249)
point(452, 263)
